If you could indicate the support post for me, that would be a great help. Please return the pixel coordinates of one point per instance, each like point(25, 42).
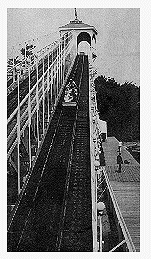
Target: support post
point(61, 61)
point(25, 57)
point(100, 209)
point(29, 119)
point(51, 83)
point(59, 69)
point(57, 72)
point(100, 248)
point(18, 135)
point(95, 236)
point(43, 101)
point(13, 65)
point(37, 100)
point(48, 90)
point(64, 58)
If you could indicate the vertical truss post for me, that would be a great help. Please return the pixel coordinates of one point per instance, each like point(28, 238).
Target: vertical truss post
point(59, 67)
point(64, 58)
point(25, 57)
point(100, 209)
point(51, 82)
point(13, 65)
point(100, 218)
point(34, 125)
point(95, 207)
point(59, 64)
point(43, 106)
point(61, 61)
point(29, 119)
point(57, 71)
point(54, 80)
point(18, 135)
point(37, 101)
point(48, 89)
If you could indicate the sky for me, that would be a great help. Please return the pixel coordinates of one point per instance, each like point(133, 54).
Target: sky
point(118, 39)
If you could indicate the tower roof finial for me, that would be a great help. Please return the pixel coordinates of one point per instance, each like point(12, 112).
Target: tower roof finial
point(76, 16)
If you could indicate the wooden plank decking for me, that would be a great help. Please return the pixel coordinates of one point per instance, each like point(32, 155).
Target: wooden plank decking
point(126, 187)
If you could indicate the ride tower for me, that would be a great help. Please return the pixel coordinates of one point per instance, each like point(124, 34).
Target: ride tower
point(82, 33)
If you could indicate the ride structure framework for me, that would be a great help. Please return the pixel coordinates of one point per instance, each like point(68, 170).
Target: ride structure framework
point(55, 175)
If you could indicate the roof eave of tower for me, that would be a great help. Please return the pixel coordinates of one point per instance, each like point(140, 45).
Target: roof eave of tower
point(63, 28)
point(72, 26)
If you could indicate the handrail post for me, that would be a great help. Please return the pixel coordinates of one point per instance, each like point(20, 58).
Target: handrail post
point(48, 88)
point(13, 65)
point(100, 209)
point(18, 135)
point(29, 118)
point(37, 105)
point(43, 99)
point(64, 58)
point(100, 233)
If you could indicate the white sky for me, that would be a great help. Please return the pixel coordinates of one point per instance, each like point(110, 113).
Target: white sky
point(117, 40)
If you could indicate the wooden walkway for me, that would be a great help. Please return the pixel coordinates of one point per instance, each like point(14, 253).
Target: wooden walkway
point(126, 187)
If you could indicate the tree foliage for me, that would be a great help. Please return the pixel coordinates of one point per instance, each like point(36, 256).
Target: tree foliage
point(29, 50)
point(11, 60)
point(119, 106)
